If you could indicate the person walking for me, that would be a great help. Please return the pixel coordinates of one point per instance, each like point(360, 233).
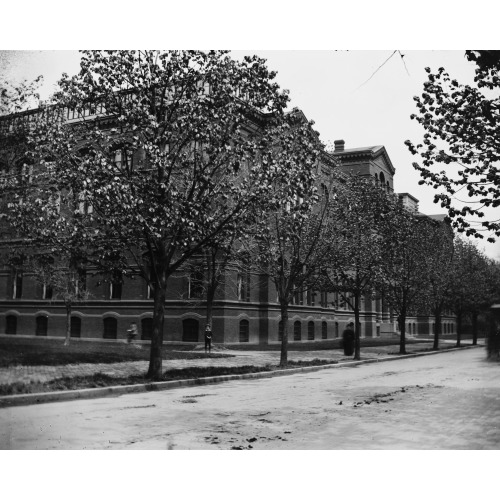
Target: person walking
point(208, 339)
point(132, 332)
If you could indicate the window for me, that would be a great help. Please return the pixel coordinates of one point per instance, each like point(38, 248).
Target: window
point(81, 281)
point(84, 207)
point(298, 298)
point(280, 331)
point(310, 330)
point(11, 325)
point(324, 330)
point(196, 280)
point(190, 328)
point(310, 296)
point(336, 330)
point(324, 299)
point(76, 327)
point(244, 330)
point(146, 328)
point(297, 331)
point(243, 286)
point(47, 291)
point(115, 288)
point(41, 326)
point(17, 284)
point(110, 328)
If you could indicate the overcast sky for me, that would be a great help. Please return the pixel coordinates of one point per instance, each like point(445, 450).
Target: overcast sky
point(336, 89)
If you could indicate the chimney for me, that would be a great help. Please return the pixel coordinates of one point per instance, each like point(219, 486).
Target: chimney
point(339, 145)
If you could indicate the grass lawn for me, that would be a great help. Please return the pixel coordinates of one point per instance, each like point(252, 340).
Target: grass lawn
point(103, 380)
point(36, 351)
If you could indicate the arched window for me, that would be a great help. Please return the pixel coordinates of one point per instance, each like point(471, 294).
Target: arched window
point(11, 324)
point(324, 330)
point(190, 329)
point(76, 326)
point(382, 179)
point(280, 331)
point(297, 331)
point(376, 179)
point(310, 330)
point(146, 328)
point(110, 328)
point(41, 325)
point(244, 330)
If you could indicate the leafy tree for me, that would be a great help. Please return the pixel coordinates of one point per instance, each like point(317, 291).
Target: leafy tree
point(356, 209)
point(485, 293)
point(64, 279)
point(165, 150)
point(404, 272)
point(473, 285)
point(15, 98)
point(288, 244)
point(438, 254)
point(462, 127)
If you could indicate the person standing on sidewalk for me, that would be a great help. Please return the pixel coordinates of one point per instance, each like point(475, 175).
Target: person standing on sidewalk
point(132, 332)
point(208, 339)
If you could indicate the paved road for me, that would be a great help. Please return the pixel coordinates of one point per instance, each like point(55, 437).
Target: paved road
point(444, 401)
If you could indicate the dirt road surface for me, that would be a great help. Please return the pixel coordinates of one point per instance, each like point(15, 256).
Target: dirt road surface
point(444, 401)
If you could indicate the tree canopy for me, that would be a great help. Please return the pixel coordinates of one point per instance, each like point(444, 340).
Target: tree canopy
point(462, 131)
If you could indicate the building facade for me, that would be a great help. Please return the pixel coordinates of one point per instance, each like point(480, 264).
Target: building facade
point(245, 308)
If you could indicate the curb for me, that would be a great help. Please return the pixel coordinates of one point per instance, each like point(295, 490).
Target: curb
point(99, 392)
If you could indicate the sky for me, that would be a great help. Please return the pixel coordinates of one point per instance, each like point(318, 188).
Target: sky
point(362, 96)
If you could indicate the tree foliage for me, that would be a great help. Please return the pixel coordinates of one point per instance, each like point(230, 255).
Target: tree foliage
point(288, 243)
point(154, 156)
point(357, 207)
point(403, 266)
point(462, 129)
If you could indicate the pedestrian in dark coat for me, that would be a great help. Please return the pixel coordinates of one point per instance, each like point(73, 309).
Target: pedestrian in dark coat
point(208, 338)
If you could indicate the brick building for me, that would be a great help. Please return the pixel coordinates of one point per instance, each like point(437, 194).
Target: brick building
point(245, 308)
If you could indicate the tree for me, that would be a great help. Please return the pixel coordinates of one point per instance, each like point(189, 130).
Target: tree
point(289, 244)
point(403, 264)
point(14, 98)
point(167, 150)
point(438, 254)
point(462, 127)
point(357, 206)
point(62, 280)
point(472, 285)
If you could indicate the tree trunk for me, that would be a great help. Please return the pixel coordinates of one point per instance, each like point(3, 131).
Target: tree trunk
point(284, 340)
point(459, 328)
point(212, 285)
point(68, 323)
point(357, 327)
point(474, 327)
point(156, 355)
point(402, 328)
point(437, 328)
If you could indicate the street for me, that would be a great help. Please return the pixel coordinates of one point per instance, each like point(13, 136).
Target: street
point(444, 401)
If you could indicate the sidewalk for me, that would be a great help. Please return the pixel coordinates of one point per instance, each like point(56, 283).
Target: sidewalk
point(28, 374)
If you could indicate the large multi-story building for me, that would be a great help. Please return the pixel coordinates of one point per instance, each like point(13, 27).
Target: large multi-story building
point(245, 308)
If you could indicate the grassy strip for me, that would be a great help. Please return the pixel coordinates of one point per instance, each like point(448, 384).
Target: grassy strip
point(103, 380)
point(54, 353)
